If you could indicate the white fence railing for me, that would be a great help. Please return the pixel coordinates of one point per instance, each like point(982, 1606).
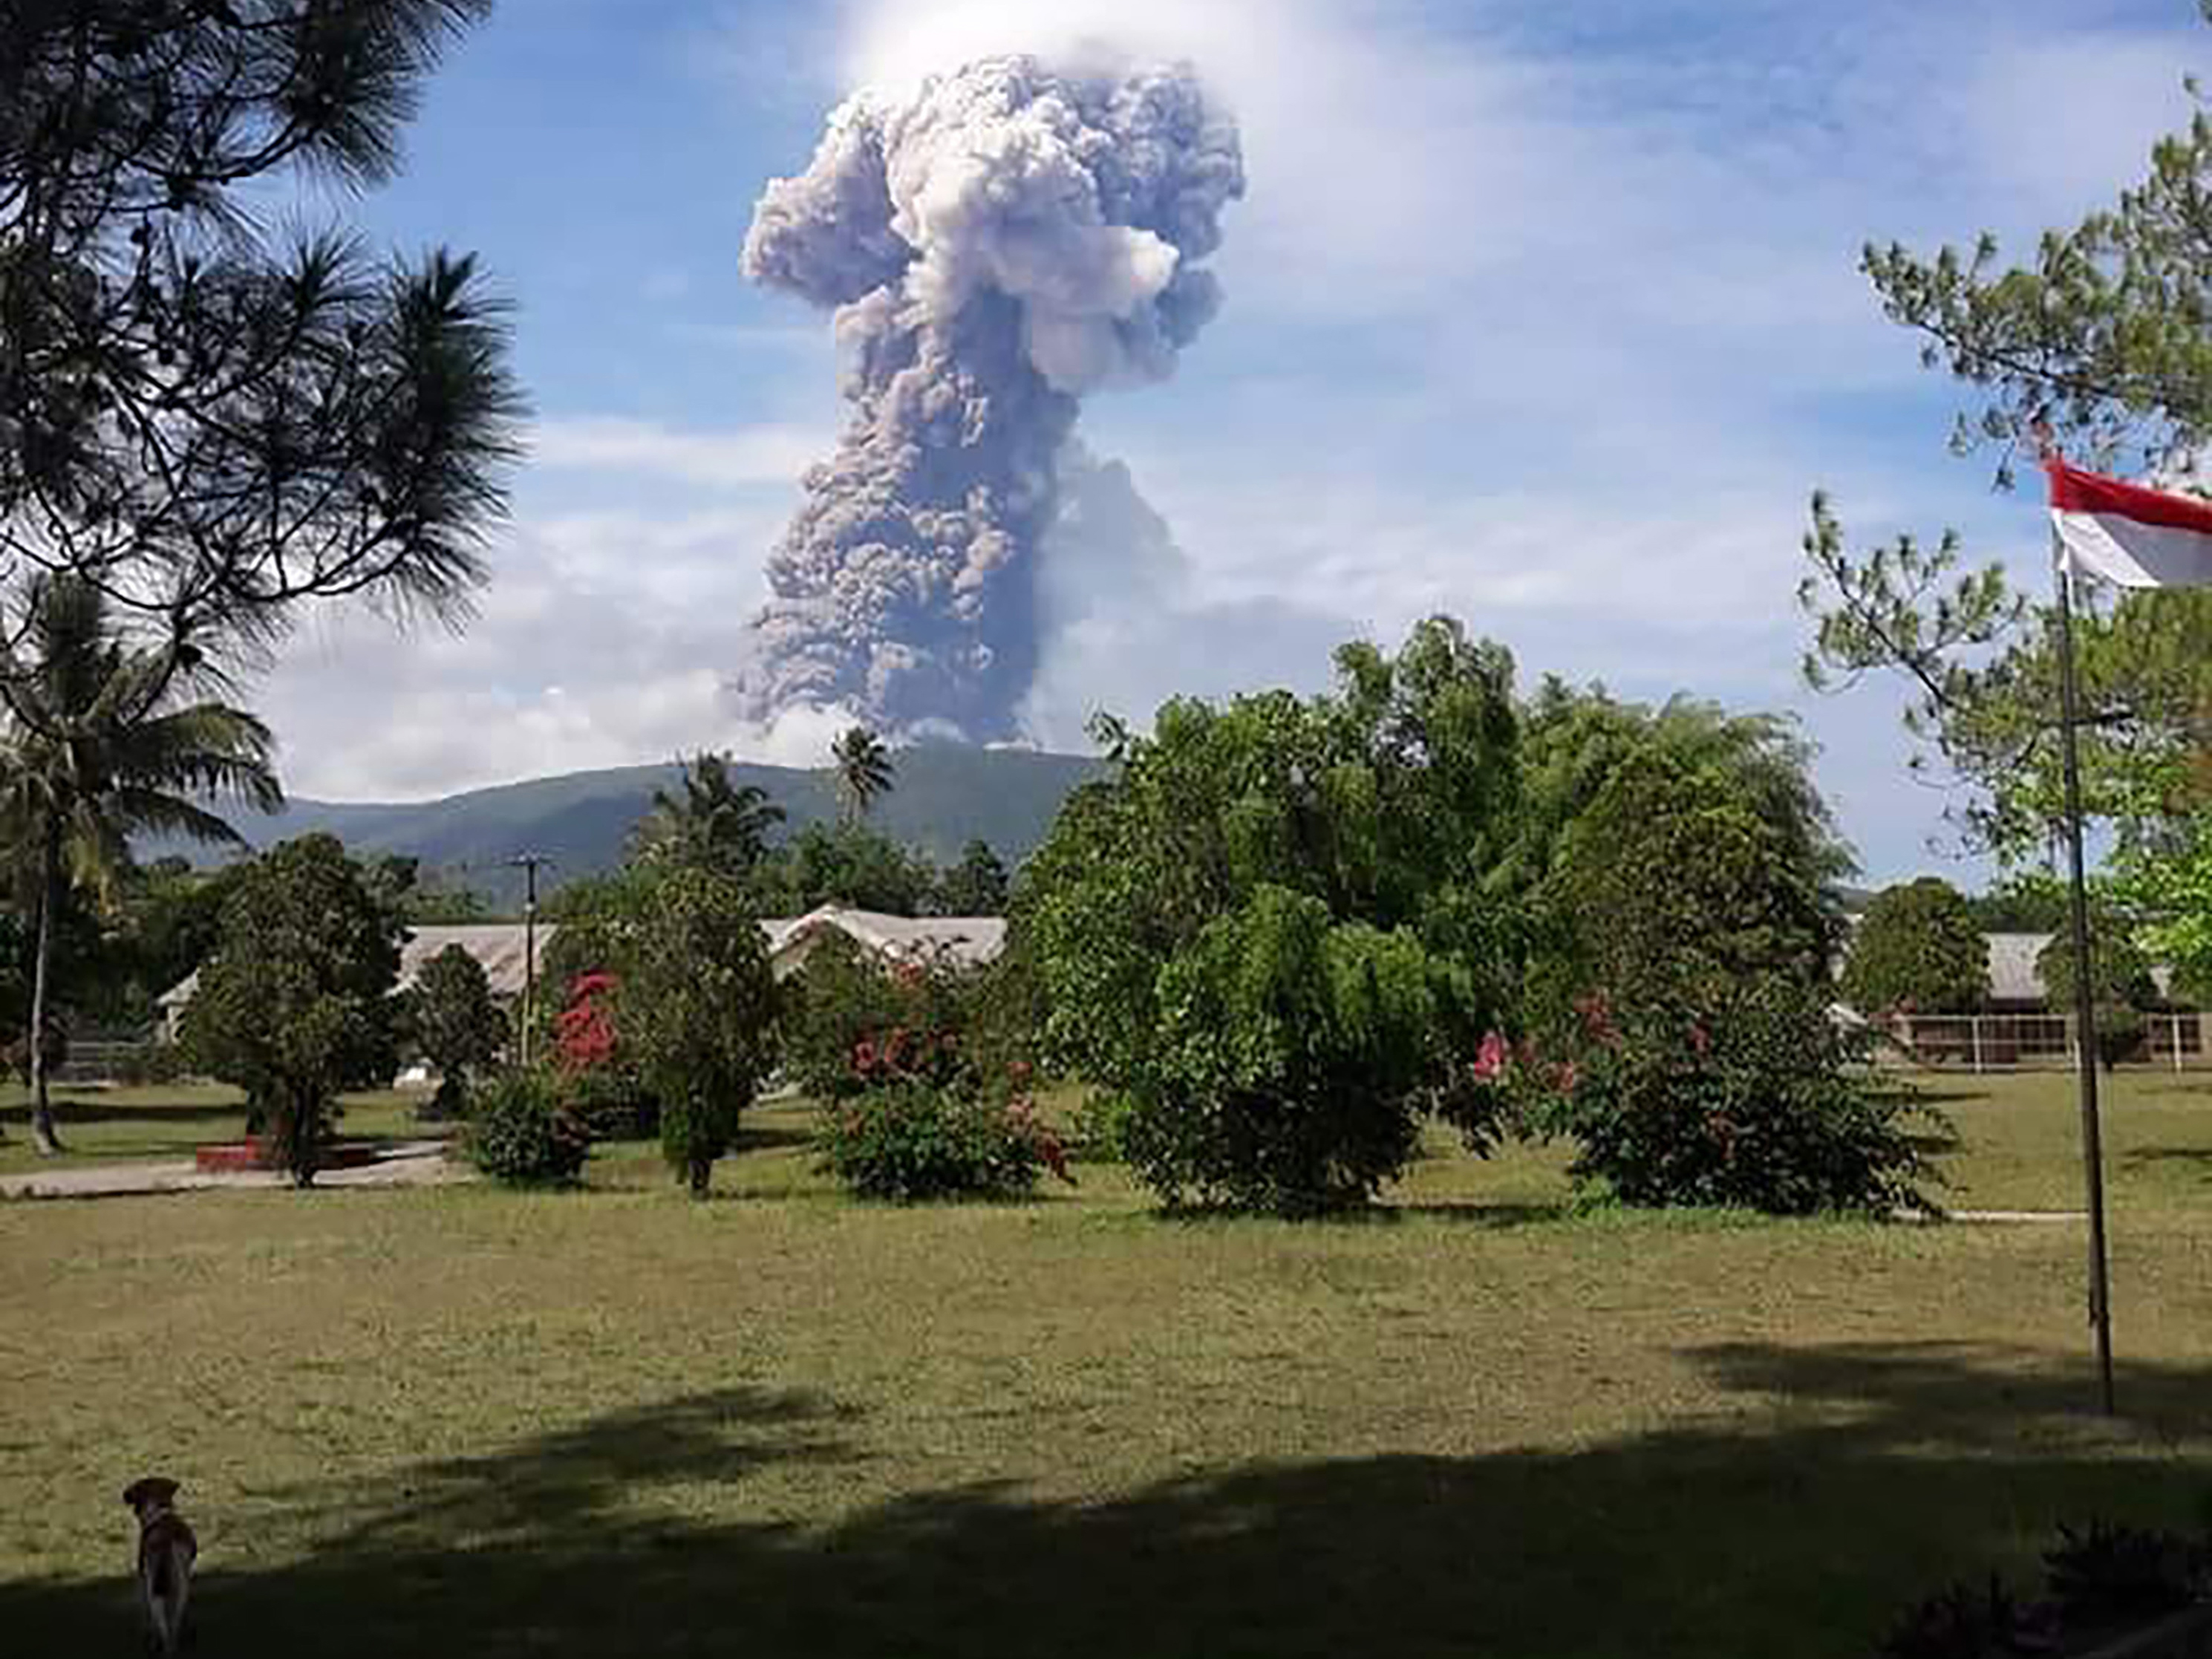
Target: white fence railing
point(2008, 1042)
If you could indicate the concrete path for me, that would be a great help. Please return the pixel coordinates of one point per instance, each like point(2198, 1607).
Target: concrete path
point(2003, 1217)
point(409, 1163)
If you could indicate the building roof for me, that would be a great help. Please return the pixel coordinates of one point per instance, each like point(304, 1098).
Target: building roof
point(500, 946)
point(965, 942)
point(2013, 976)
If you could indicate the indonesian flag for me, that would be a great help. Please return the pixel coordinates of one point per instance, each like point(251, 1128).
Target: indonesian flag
point(2129, 536)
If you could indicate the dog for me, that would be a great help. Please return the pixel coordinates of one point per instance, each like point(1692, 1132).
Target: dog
point(167, 1550)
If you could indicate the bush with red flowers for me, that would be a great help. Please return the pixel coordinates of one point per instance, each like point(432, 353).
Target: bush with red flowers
point(1753, 1102)
point(856, 1025)
point(916, 1106)
point(906, 1140)
point(598, 1078)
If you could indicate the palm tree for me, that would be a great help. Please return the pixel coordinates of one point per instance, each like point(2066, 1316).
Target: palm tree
point(717, 824)
point(864, 771)
point(99, 744)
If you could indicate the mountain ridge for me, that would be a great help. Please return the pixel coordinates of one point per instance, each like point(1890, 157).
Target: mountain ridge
point(945, 796)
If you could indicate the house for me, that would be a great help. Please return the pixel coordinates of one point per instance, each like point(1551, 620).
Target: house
point(959, 941)
point(503, 948)
point(2020, 1025)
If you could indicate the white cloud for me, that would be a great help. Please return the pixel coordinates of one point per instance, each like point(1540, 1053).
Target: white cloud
point(2056, 119)
point(1547, 316)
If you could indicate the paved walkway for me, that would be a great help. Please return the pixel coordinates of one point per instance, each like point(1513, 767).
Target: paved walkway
point(2007, 1217)
point(409, 1163)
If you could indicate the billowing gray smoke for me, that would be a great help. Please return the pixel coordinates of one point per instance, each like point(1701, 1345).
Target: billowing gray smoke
point(1011, 239)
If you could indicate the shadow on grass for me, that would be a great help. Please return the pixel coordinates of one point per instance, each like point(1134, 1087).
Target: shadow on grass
point(1850, 1480)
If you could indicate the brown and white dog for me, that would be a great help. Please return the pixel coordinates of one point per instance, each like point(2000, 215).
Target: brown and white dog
point(167, 1550)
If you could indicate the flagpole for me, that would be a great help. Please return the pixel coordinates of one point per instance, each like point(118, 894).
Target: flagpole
point(2085, 999)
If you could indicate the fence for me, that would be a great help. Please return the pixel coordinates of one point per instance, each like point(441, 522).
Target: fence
point(2007, 1042)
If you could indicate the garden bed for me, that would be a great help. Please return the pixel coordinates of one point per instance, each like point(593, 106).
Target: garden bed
point(239, 1156)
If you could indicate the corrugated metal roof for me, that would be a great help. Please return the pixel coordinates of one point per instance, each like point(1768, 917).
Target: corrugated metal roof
point(500, 947)
point(2013, 976)
point(966, 941)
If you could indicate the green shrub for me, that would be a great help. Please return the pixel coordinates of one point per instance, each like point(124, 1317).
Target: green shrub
point(150, 1065)
point(2105, 1572)
point(1917, 950)
point(610, 1102)
point(295, 1004)
point(1276, 928)
point(521, 1132)
point(1102, 1122)
point(451, 1018)
point(910, 1142)
point(1291, 1061)
point(841, 1000)
point(700, 1004)
point(1751, 1104)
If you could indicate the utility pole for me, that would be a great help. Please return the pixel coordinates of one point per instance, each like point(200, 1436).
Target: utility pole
point(529, 864)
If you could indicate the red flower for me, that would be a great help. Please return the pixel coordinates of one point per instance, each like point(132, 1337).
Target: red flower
point(1565, 1076)
point(1701, 1040)
point(1490, 1059)
point(584, 1036)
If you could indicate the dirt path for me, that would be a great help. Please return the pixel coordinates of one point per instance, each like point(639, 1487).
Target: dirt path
point(411, 1164)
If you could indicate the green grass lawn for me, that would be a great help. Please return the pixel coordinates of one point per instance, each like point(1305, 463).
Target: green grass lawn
point(156, 1124)
point(618, 1423)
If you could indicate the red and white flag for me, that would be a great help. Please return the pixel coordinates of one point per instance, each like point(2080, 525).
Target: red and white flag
point(2129, 536)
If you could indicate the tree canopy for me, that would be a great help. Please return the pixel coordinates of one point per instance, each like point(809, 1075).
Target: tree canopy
point(210, 419)
point(714, 823)
point(102, 738)
point(1270, 932)
point(976, 886)
point(698, 1002)
point(451, 1016)
point(1574, 743)
point(2098, 343)
point(296, 1005)
point(1918, 947)
point(866, 771)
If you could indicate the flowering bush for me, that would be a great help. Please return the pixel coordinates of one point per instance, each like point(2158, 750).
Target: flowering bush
point(584, 1031)
point(1753, 1103)
point(908, 1140)
point(846, 1002)
point(599, 1078)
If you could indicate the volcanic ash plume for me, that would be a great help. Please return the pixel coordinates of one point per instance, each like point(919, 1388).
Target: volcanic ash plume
point(1011, 239)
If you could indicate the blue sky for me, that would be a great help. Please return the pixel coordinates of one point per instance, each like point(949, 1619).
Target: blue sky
point(1546, 315)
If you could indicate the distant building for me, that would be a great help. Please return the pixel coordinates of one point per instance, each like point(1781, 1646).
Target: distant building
point(501, 947)
point(2019, 1025)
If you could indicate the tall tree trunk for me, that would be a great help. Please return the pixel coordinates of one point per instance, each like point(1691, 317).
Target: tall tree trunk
point(43, 1134)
